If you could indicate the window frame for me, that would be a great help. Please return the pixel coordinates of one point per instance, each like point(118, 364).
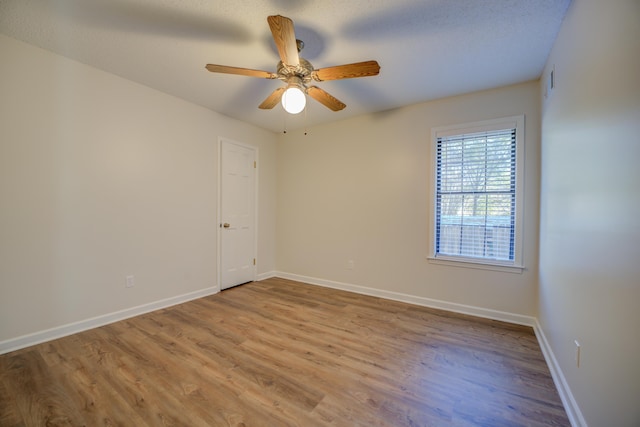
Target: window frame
point(516, 265)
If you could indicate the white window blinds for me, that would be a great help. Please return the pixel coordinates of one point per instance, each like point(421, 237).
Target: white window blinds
point(475, 195)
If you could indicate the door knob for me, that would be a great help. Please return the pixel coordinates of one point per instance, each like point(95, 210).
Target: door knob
point(226, 225)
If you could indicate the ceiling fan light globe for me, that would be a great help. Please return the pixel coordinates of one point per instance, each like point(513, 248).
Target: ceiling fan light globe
point(293, 100)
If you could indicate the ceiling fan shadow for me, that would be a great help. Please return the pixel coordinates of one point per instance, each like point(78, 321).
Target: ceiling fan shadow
point(150, 19)
point(400, 22)
point(290, 5)
point(251, 93)
point(359, 92)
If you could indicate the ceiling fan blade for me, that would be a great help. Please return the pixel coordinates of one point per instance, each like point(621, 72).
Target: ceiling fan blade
point(348, 71)
point(285, 38)
point(325, 99)
point(272, 100)
point(240, 71)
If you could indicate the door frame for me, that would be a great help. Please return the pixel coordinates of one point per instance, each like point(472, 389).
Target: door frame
point(255, 150)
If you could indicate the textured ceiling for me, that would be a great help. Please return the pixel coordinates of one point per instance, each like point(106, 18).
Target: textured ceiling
point(427, 49)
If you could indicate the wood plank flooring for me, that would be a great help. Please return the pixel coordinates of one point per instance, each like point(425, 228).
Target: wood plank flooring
point(282, 353)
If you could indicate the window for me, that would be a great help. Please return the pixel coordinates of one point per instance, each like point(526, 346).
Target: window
point(477, 212)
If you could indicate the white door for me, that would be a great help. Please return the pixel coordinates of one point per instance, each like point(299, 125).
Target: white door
point(237, 214)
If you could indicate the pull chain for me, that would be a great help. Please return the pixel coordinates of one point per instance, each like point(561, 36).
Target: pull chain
point(285, 122)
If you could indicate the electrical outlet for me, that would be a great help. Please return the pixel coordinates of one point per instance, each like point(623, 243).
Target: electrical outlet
point(130, 281)
point(577, 358)
point(350, 264)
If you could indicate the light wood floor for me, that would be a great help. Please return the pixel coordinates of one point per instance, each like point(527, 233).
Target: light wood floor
point(282, 353)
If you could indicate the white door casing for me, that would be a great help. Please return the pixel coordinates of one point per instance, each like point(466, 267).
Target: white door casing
point(237, 225)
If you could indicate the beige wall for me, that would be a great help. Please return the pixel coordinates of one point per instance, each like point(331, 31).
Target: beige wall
point(102, 178)
point(590, 205)
point(359, 190)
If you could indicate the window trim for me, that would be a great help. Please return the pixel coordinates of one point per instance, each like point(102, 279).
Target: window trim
point(517, 264)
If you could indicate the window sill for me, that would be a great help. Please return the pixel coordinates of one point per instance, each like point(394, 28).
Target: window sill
point(472, 263)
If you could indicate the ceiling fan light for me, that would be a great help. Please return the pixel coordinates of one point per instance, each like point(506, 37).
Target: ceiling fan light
point(293, 100)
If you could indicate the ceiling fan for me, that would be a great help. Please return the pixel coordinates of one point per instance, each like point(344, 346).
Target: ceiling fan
point(297, 72)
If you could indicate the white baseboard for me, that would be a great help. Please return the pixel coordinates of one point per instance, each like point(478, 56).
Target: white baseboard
point(570, 405)
point(265, 276)
point(83, 325)
point(412, 299)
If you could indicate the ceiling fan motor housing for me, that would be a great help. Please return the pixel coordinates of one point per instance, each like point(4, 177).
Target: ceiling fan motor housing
point(303, 71)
